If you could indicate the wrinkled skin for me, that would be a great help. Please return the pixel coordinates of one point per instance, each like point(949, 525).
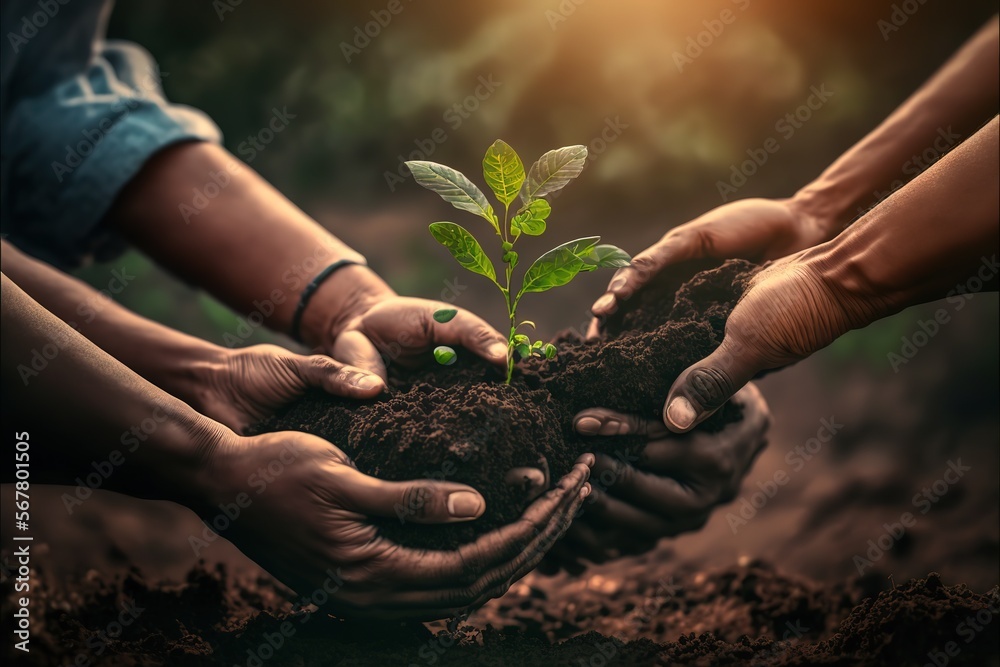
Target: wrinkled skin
point(309, 523)
point(672, 489)
point(753, 229)
point(403, 330)
point(249, 384)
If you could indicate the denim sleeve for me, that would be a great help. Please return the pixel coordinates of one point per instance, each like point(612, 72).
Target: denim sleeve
point(70, 149)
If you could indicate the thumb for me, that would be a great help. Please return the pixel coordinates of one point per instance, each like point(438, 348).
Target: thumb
point(354, 348)
point(706, 386)
point(416, 501)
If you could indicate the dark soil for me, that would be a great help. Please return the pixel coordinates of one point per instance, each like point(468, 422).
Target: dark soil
point(685, 618)
point(461, 423)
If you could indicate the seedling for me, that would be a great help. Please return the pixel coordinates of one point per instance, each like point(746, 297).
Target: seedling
point(504, 173)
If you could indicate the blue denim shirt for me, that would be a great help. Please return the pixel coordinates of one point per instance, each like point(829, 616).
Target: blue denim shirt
point(79, 116)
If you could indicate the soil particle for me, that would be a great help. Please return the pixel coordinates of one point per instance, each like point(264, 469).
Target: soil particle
point(461, 423)
point(699, 618)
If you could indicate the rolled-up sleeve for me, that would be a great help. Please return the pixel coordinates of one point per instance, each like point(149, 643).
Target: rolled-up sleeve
point(71, 149)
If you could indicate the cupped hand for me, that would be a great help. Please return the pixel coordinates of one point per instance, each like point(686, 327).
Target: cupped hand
point(305, 519)
point(667, 486)
point(754, 229)
point(403, 330)
point(241, 387)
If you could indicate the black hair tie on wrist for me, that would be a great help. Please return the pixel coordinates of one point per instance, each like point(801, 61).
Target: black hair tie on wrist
point(311, 288)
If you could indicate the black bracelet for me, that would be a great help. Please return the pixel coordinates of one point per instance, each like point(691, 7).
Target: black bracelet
point(311, 289)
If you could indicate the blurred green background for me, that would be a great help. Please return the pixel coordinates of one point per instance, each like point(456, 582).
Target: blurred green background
point(562, 71)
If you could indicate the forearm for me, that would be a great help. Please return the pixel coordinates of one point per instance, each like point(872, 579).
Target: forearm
point(949, 107)
point(247, 244)
point(937, 232)
point(173, 361)
point(82, 406)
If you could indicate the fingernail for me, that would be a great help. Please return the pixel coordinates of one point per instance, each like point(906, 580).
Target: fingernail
point(617, 283)
point(497, 350)
point(369, 382)
point(681, 413)
point(585, 490)
point(605, 305)
point(588, 425)
point(465, 505)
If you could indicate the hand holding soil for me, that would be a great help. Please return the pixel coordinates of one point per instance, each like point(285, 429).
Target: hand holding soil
point(308, 525)
point(752, 229)
point(405, 331)
point(896, 256)
point(672, 486)
point(243, 386)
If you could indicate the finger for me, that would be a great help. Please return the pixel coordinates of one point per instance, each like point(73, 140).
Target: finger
point(617, 514)
point(594, 328)
point(756, 414)
point(339, 379)
point(353, 347)
point(676, 246)
point(507, 546)
point(472, 333)
point(601, 421)
point(706, 386)
point(416, 501)
point(658, 494)
point(616, 541)
point(533, 481)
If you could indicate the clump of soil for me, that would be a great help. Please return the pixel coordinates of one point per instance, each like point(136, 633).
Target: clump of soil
point(741, 615)
point(463, 424)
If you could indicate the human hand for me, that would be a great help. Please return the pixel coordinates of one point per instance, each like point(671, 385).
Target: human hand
point(241, 387)
point(792, 308)
point(404, 330)
point(307, 525)
point(668, 486)
point(754, 229)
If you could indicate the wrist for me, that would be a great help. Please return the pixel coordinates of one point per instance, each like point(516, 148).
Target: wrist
point(177, 446)
point(822, 205)
point(191, 370)
point(347, 294)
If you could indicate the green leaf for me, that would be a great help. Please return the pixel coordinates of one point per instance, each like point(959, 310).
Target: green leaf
point(521, 339)
point(609, 256)
point(445, 315)
point(537, 345)
point(503, 171)
point(550, 351)
point(528, 323)
point(454, 188)
point(444, 355)
point(531, 220)
point(553, 171)
point(559, 265)
point(524, 351)
point(463, 247)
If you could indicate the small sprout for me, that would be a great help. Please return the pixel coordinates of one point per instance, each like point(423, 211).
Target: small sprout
point(509, 181)
point(445, 355)
point(537, 345)
point(445, 315)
